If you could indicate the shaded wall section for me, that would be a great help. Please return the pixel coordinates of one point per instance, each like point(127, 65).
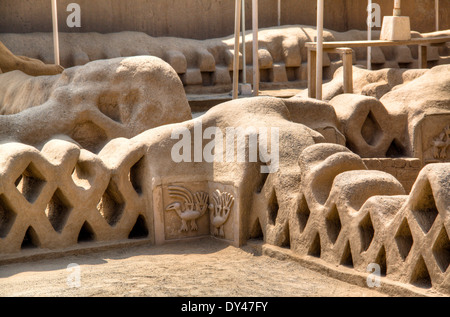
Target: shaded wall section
point(203, 19)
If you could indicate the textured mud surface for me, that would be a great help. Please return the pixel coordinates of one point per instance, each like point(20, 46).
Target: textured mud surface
point(198, 268)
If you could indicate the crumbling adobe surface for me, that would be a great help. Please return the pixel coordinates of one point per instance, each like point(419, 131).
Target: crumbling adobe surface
point(374, 83)
point(204, 66)
point(92, 104)
point(352, 217)
point(394, 113)
point(322, 202)
point(88, 155)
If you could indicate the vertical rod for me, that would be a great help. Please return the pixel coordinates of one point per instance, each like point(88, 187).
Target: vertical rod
point(319, 61)
point(423, 56)
point(312, 58)
point(255, 48)
point(237, 25)
point(55, 32)
point(279, 12)
point(397, 8)
point(244, 57)
point(369, 35)
point(347, 59)
point(436, 4)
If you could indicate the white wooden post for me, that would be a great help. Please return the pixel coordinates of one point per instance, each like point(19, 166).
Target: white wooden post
point(55, 32)
point(237, 25)
point(255, 47)
point(319, 61)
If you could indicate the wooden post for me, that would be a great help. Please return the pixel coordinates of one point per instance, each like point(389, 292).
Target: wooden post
point(55, 32)
point(312, 56)
point(279, 12)
point(397, 8)
point(237, 25)
point(319, 61)
point(347, 60)
point(244, 57)
point(423, 56)
point(255, 47)
point(436, 7)
point(369, 34)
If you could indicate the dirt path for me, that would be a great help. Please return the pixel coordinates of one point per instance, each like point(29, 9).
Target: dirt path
point(203, 267)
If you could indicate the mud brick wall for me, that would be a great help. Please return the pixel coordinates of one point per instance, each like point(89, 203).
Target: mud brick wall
point(404, 169)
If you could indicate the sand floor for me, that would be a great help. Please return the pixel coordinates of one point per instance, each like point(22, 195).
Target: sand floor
point(204, 267)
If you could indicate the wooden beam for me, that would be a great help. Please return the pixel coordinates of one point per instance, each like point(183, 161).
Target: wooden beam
point(55, 32)
point(369, 34)
point(397, 8)
point(255, 48)
point(423, 56)
point(436, 9)
point(237, 26)
point(312, 56)
point(319, 60)
point(353, 44)
point(244, 56)
point(279, 12)
point(347, 60)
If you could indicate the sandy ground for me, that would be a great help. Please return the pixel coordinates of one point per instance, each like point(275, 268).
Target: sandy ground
point(204, 267)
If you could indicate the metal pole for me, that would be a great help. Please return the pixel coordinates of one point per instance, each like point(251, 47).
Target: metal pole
point(244, 65)
point(436, 4)
point(279, 12)
point(237, 25)
point(255, 48)
point(369, 35)
point(319, 62)
point(55, 32)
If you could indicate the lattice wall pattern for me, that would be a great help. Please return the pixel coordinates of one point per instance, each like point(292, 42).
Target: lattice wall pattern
point(344, 214)
point(349, 216)
point(64, 195)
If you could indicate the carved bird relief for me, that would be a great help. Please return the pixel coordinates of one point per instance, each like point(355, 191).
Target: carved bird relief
point(220, 210)
point(190, 208)
point(441, 143)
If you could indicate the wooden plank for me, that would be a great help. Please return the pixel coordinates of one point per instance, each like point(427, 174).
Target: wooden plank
point(438, 44)
point(353, 44)
point(423, 56)
point(244, 55)
point(237, 26)
point(436, 10)
point(347, 60)
point(369, 34)
point(319, 50)
point(255, 48)
point(312, 59)
point(55, 32)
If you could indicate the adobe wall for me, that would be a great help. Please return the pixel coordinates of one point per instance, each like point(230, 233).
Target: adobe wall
point(202, 19)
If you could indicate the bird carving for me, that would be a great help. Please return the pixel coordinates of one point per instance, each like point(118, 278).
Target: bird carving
point(190, 208)
point(220, 210)
point(441, 143)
